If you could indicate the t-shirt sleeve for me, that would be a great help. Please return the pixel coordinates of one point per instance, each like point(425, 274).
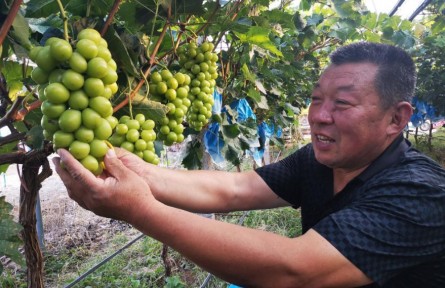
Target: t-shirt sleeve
point(284, 177)
point(388, 231)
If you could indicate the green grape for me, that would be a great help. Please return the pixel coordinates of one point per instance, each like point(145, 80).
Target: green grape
point(202, 68)
point(135, 135)
point(75, 88)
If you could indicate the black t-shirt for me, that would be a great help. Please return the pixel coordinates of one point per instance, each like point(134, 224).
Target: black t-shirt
point(389, 221)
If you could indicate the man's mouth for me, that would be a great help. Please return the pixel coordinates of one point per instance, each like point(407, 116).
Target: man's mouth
point(324, 139)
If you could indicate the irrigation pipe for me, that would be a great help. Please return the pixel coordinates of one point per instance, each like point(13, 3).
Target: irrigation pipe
point(81, 277)
point(209, 276)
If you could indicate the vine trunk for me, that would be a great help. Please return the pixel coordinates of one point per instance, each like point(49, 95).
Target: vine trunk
point(31, 182)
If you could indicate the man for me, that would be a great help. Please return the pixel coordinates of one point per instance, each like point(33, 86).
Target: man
point(373, 208)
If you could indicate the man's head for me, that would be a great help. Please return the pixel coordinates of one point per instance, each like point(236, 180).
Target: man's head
point(396, 74)
point(360, 104)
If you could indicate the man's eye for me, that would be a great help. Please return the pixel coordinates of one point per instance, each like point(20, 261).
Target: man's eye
point(315, 99)
point(341, 102)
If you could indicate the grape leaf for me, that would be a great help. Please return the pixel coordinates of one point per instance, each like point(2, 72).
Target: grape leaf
point(44, 8)
point(43, 24)
point(193, 160)
point(13, 76)
point(232, 154)
point(231, 131)
point(438, 25)
point(247, 74)
point(120, 52)
point(35, 137)
point(151, 109)
point(20, 30)
point(281, 17)
point(260, 36)
point(254, 94)
point(139, 17)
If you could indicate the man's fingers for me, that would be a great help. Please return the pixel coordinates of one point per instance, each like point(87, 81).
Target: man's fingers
point(60, 168)
point(120, 152)
point(70, 169)
point(114, 165)
point(127, 157)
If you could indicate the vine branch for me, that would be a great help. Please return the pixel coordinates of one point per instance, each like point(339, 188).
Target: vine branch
point(9, 19)
point(10, 138)
point(21, 113)
point(20, 157)
point(110, 17)
point(10, 115)
point(147, 71)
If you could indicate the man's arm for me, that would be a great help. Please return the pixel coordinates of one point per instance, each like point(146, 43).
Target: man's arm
point(241, 255)
point(204, 191)
point(254, 258)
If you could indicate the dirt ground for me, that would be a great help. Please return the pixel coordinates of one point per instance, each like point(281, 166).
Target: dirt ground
point(65, 223)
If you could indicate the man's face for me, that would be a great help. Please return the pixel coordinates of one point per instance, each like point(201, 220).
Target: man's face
point(348, 126)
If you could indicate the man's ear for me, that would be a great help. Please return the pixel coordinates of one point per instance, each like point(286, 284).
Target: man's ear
point(402, 113)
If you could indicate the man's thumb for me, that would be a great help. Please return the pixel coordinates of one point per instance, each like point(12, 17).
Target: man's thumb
point(114, 166)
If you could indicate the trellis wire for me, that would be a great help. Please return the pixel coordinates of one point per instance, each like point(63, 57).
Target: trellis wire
point(81, 277)
point(104, 261)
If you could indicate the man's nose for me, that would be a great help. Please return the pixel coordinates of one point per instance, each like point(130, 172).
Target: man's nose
point(321, 114)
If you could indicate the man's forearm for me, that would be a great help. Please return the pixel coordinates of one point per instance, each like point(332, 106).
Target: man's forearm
point(196, 191)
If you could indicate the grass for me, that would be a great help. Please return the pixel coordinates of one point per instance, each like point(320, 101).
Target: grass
point(141, 264)
point(138, 264)
point(437, 148)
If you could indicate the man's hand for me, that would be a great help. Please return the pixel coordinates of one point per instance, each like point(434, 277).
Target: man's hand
point(133, 162)
point(117, 193)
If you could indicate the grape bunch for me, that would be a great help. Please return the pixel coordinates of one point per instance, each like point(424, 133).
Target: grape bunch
point(137, 136)
point(75, 85)
point(200, 63)
point(172, 90)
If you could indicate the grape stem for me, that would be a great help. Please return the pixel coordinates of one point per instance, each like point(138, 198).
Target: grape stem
point(87, 13)
point(64, 19)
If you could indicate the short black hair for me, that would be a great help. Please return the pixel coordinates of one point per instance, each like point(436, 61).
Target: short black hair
point(396, 73)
